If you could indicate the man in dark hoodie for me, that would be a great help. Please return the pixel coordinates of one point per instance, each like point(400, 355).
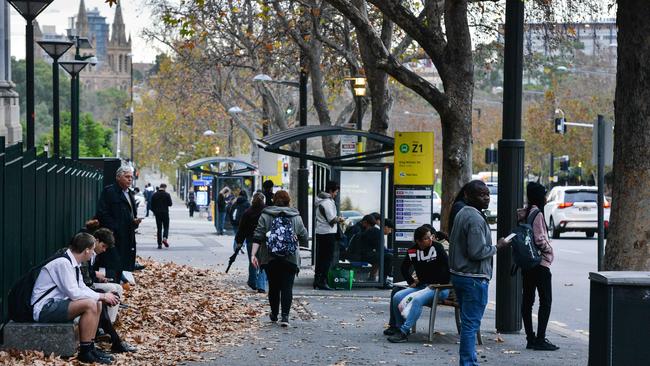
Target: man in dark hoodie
point(160, 203)
point(238, 209)
point(281, 269)
point(267, 189)
point(470, 264)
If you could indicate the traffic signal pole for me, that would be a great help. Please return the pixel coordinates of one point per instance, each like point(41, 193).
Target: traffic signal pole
point(511, 169)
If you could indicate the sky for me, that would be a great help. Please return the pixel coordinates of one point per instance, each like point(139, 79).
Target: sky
point(136, 17)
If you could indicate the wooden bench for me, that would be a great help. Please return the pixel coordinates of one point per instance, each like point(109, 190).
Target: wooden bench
point(434, 308)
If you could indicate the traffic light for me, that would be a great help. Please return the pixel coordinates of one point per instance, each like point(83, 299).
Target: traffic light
point(285, 167)
point(128, 120)
point(491, 156)
point(560, 126)
point(565, 163)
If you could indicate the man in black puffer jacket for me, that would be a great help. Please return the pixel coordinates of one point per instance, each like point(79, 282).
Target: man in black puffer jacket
point(247, 225)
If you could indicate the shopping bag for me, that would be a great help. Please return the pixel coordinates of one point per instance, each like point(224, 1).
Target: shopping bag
point(340, 278)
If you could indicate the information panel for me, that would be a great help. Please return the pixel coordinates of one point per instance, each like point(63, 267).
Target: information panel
point(412, 207)
point(413, 158)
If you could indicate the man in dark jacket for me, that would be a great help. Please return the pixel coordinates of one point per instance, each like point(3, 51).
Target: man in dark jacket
point(267, 188)
point(160, 203)
point(116, 211)
point(238, 209)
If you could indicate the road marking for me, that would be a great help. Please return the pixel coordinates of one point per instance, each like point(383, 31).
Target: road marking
point(570, 251)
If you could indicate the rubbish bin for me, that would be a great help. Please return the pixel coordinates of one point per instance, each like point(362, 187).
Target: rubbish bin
point(619, 318)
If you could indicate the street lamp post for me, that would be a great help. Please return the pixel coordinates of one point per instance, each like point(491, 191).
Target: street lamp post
point(29, 10)
point(74, 68)
point(56, 49)
point(232, 111)
point(359, 88)
point(131, 109)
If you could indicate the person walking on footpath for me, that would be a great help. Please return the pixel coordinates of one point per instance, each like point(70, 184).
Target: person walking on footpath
point(470, 262)
point(247, 225)
point(148, 192)
point(276, 247)
point(116, 211)
point(267, 188)
point(191, 203)
point(160, 203)
point(326, 231)
point(222, 209)
point(538, 277)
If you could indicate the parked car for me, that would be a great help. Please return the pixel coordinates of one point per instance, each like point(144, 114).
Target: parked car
point(491, 211)
point(574, 208)
point(350, 213)
point(437, 207)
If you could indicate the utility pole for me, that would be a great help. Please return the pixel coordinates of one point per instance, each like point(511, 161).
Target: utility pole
point(511, 169)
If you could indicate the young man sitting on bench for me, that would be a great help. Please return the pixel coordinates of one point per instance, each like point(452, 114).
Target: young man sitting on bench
point(431, 267)
point(60, 295)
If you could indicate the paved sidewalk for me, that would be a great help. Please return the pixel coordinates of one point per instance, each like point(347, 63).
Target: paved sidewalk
point(342, 327)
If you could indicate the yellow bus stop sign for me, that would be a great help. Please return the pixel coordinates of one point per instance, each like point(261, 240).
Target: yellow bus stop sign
point(413, 158)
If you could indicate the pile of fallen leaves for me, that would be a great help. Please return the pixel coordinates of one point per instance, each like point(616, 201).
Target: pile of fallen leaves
point(175, 314)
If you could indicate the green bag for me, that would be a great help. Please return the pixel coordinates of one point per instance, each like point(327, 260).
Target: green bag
point(340, 278)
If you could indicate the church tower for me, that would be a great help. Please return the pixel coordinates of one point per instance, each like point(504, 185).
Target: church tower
point(82, 21)
point(119, 50)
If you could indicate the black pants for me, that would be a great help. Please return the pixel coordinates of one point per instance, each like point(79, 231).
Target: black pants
point(280, 274)
point(536, 278)
point(162, 226)
point(325, 246)
point(192, 206)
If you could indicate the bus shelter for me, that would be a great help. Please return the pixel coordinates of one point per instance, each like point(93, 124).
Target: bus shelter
point(237, 175)
point(365, 178)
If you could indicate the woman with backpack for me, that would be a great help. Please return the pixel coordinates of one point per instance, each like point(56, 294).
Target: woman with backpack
point(276, 241)
point(538, 277)
point(247, 225)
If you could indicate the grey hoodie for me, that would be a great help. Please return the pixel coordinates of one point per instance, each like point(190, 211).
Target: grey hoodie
point(470, 245)
point(264, 225)
point(322, 225)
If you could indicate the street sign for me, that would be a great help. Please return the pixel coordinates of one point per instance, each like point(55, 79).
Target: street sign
point(348, 145)
point(609, 144)
point(413, 158)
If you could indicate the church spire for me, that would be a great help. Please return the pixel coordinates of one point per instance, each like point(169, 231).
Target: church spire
point(82, 20)
point(118, 35)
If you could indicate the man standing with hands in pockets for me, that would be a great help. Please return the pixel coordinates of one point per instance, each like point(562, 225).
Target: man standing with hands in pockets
point(116, 211)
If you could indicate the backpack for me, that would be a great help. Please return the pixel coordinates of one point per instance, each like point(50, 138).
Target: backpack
point(525, 253)
point(281, 240)
point(21, 309)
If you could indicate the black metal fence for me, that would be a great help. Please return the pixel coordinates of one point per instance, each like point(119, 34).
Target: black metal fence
point(43, 202)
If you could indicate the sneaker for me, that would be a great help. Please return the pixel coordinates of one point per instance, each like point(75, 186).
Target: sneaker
point(545, 345)
point(160, 247)
point(284, 322)
point(391, 331)
point(165, 243)
point(261, 291)
point(123, 347)
point(101, 354)
point(90, 357)
point(274, 317)
point(398, 338)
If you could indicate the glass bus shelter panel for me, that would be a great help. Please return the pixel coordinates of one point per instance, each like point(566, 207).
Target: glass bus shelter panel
point(361, 194)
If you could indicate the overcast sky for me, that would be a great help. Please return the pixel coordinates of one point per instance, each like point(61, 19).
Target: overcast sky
point(136, 17)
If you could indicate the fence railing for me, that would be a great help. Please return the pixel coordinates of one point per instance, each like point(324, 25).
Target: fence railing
point(43, 201)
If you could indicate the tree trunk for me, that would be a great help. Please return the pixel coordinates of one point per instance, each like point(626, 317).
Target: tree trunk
point(628, 246)
point(456, 155)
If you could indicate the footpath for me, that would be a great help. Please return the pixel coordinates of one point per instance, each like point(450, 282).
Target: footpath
point(335, 327)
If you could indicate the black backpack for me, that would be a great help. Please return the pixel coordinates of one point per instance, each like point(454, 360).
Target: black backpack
point(21, 308)
point(525, 253)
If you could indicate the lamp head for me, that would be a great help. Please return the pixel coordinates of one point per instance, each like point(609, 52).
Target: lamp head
point(55, 49)
point(29, 9)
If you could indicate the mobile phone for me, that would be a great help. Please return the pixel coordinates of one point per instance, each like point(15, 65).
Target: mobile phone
point(509, 237)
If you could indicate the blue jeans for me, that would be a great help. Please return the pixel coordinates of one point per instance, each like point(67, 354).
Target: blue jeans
point(221, 222)
point(256, 277)
point(472, 294)
point(423, 296)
